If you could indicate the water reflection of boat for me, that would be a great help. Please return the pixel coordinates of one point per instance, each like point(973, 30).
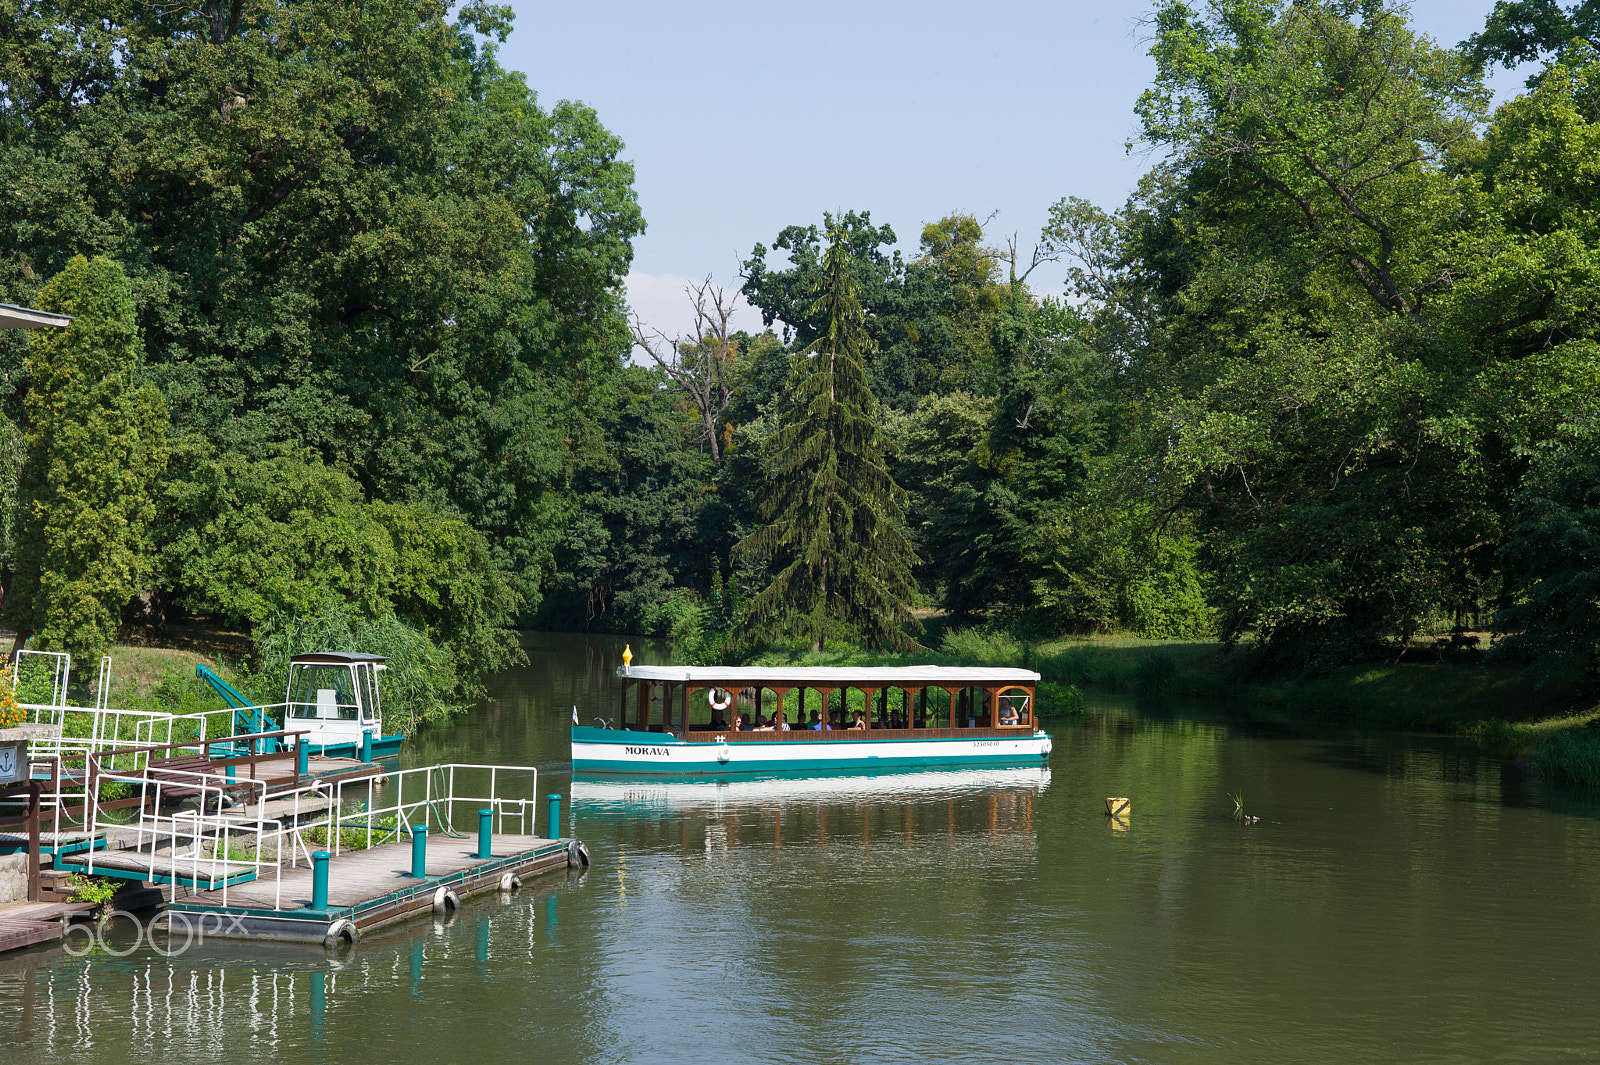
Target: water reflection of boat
point(682, 721)
point(654, 793)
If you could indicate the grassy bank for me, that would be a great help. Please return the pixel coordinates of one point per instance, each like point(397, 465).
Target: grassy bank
point(1551, 727)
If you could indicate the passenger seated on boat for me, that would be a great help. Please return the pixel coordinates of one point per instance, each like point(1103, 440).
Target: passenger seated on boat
point(738, 723)
point(780, 722)
point(717, 724)
point(1008, 713)
point(860, 722)
point(819, 725)
point(768, 727)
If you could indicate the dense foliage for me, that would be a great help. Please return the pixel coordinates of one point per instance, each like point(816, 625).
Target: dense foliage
point(1324, 386)
point(377, 283)
point(95, 444)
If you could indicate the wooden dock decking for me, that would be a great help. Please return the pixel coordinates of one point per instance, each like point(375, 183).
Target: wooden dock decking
point(159, 868)
point(367, 889)
point(28, 923)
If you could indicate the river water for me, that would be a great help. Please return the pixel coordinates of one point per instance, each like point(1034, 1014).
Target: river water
point(1399, 899)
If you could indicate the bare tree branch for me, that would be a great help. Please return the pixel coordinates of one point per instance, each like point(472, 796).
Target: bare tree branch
point(697, 364)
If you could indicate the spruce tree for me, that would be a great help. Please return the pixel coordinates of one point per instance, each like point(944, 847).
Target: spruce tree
point(95, 442)
point(835, 516)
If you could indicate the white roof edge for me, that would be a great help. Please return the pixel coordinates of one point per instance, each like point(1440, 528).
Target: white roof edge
point(886, 675)
point(14, 317)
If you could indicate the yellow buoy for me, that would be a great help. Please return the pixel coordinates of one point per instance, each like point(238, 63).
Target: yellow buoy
point(1119, 807)
point(627, 654)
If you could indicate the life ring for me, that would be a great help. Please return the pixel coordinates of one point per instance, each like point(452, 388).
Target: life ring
point(711, 697)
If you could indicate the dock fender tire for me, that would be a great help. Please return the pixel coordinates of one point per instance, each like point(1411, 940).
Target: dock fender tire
point(344, 931)
point(510, 882)
point(446, 901)
point(578, 855)
point(723, 754)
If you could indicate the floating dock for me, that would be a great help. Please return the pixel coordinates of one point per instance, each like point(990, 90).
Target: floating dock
point(336, 857)
point(366, 890)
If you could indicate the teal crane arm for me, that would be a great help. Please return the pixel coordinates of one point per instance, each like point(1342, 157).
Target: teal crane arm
point(246, 718)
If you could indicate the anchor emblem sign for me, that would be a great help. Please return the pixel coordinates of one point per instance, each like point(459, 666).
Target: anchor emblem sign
point(11, 763)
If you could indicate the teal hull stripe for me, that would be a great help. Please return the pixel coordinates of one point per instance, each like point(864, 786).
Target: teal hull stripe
point(711, 767)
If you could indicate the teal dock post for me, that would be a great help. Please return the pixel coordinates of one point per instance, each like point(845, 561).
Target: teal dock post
point(230, 770)
point(319, 880)
point(302, 757)
point(366, 745)
point(553, 821)
point(419, 852)
point(485, 831)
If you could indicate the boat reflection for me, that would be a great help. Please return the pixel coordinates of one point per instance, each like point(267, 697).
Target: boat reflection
point(899, 815)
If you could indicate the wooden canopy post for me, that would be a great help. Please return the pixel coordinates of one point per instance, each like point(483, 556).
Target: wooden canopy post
point(867, 696)
point(827, 696)
point(951, 692)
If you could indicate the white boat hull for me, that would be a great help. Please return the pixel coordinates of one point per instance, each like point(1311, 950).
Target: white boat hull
point(596, 750)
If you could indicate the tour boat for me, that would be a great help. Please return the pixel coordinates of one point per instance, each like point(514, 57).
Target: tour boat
point(684, 720)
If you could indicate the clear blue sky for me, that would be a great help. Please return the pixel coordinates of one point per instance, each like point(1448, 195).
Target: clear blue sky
point(743, 118)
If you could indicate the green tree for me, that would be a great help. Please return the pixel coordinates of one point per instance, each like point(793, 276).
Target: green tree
point(1520, 31)
point(647, 522)
point(349, 230)
point(246, 541)
point(95, 444)
point(1553, 560)
point(1297, 262)
point(928, 320)
point(835, 516)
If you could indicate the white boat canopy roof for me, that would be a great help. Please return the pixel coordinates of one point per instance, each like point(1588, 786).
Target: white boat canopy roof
point(833, 676)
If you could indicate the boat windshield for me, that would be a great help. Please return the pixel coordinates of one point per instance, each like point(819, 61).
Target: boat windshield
point(327, 692)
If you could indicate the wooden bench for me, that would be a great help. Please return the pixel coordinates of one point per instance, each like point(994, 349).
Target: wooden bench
point(183, 777)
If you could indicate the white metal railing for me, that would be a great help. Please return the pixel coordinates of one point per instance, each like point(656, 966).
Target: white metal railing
point(102, 687)
point(205, 849)
point(104, 729)
point(426, 795)
point(60, 672)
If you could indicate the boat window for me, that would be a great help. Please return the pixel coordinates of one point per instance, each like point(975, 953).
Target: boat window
point(1014, 706)
point(322, 691)
point(369, 705)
